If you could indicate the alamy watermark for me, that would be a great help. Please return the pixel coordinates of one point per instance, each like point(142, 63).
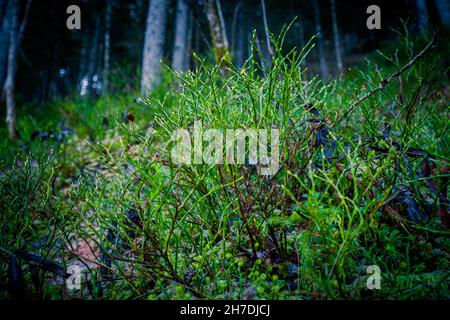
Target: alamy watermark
point(73, 282)
point(73, 22)
point(374, 280)
point(230, 146)
point(374, 20)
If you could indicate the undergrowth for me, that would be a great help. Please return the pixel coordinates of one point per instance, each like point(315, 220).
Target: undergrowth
point(354, 189)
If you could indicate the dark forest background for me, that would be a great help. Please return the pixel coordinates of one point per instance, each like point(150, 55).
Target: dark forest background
point(90, 189)
point(53, 61)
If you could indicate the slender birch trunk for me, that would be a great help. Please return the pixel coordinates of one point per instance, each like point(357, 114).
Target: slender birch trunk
point(218, 32)
point(337, 40)
point(92, 66)
point(180, 51)
point(15, 35)
point(155, 34)
point(320, 41)
point(266, 28)
point(4, 40)
point(107, 47)
point(240, 47)
point(443, 7)
point(422, 15)
point(13, 29)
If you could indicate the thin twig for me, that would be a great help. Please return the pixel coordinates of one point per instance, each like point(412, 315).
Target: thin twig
point(7, 251)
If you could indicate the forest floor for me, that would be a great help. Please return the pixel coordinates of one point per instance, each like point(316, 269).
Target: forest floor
point(93, 206)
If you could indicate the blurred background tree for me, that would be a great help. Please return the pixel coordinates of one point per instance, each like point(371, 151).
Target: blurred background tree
point(52, 61)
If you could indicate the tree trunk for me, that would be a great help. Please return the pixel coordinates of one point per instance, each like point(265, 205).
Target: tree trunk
point(240, 36)
point(153, 45)
point(3, 4)
point(443, 7)
point(266, 28)
point(337, 40)
point(107, 47)
point(196, 44)
point(83, 58)
point(222, 22)
point(300, 31)
point(190, 41)
point(13, 34)
point(93, 63)
point(180, 52)
point(218, 34)
point(320, 41)
point(4, 36)
point(301, 37)
point(422, 14)
point(236, 33)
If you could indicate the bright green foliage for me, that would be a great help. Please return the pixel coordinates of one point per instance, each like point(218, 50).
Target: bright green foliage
point(349, 194)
